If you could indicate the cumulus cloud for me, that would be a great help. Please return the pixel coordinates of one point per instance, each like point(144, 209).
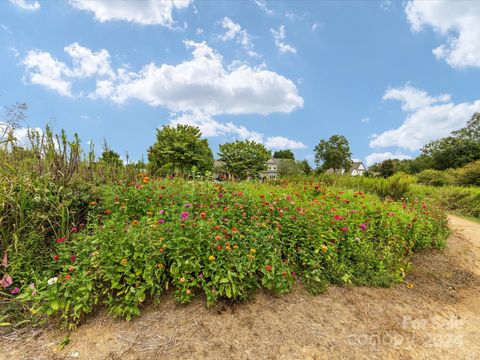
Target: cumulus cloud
point(279, 37)
point(195, 90)
point(428, 118)
point(20, 134)
point(234, 31)
point(204, 84)
point(211, 128)
point(26, 5)
point(43, 69)
point(147, 12)
point(379, 157)
point(458, 21)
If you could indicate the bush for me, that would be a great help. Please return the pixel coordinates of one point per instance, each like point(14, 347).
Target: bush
point(469, 175)
point(226, 241)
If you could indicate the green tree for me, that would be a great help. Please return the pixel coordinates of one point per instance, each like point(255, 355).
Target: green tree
point(333, 153)
point(179, 149)
point(288, 167)
point(305, 166)
point(244, 159)
point(458, 149)
point(110, 157)
point(284, 154)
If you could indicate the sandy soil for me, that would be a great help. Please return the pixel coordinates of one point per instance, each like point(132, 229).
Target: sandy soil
point(439, 318)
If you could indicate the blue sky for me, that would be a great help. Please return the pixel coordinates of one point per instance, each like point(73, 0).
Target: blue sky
point(388, 75)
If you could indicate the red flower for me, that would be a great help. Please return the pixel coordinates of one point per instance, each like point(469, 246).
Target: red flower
point(68, 276)
point(73, 257)
point(344, 228)
point(61, 240)
point(203, 215)
point(268, 267)
point(73, 230)
point(219, 247)
point(55, 257)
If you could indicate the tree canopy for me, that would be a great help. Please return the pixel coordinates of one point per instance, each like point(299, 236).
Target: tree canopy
point(333, 153)
point(284, 154)
point(244, 159)
point(179, 149)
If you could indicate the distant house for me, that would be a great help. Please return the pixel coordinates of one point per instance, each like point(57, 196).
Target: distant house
point(270, 172)
point(356, 169)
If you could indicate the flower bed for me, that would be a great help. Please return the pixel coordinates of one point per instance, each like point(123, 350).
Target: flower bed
point(225, 241)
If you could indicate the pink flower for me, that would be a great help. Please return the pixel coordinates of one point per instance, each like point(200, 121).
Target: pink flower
point(220, 195)
point(61, 240)
point(184, 215)
point(5, 260)
point(73, 230)
point(363, 227)
point(15, 291)
point(162, 212)
point(161, 221)
point(6, 281)
point(188, 205)
point(338, 217)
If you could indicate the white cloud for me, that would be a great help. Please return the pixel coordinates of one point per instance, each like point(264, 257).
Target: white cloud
point(279, 36)
point(204, 84)
point(386, 5)
point(43, 69)
point(365, 120)
point(211, 128)
point(5, 27)
point(458, 21)
point(26, 5)
point(379, 157)
point(20, 134)
point(147, 12)
point(429, 118)
point(280, 142)
point(199, 31)
point(235, 32)
point(316, 25)
point(413, 98)
point(262, 4)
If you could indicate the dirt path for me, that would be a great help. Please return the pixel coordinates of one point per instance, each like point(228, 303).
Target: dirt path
point(439, 318)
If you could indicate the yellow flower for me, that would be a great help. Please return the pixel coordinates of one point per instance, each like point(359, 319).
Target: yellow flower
point(160, 266)
point(182, 279)
point(124, 262)
point(410, 285)
point(211, 258)
point(324, 248)
point(253, 251)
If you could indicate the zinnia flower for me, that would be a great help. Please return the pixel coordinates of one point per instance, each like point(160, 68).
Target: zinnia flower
point(184, 215)
point(188, 205)
point(68, 276)
point(211, 258)
point(161, 221)
point(268, 267)
point(345, 228)
point(15, 291)
point(52, 281)
point(61, 240)
point(124, 262)
point(6, 281)
point(363, 227)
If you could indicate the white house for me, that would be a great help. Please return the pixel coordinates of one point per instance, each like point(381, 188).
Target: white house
point(356, 169)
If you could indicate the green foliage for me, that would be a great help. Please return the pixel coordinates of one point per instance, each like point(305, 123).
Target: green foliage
point(287, 167)
point(333, 153)
point(435, 177)
point(178, 149)
point(244, 159)
point(227, 241)
point(284, 154)
point(469, 175)
point(305, 166)
point(454, 151)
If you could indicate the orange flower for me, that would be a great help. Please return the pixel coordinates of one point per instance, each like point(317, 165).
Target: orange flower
point(218, 237)
point(124, 262)
point(182, 280)
point(93, 203)
point(108, 212)
point(135, 222)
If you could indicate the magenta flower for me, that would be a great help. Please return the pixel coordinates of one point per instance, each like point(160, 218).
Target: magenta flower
point(338, 217)
point(15, 291)
point(220, 195)
point(184, 215)
point(161, 221)
point(6, 281)
point(188, 205)
point(61, 240)
point(363, 227)
point(73, 230)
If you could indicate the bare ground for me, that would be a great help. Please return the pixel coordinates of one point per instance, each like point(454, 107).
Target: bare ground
point(439, 318)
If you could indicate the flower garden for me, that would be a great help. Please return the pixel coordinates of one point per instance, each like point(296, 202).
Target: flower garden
point(223, 241)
